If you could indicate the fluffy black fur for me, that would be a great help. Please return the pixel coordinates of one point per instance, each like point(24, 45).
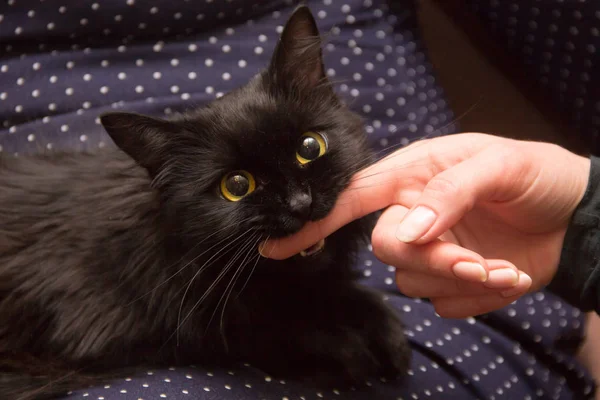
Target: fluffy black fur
point(131, 257)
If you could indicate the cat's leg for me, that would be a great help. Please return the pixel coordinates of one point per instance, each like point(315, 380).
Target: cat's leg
point(336, 334)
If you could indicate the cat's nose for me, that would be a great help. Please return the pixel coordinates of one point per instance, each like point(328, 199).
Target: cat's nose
point(300, 203)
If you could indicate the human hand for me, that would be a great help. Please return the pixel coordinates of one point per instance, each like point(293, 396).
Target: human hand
point(486, 218)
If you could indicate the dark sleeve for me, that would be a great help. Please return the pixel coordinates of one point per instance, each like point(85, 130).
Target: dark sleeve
point(578, 277)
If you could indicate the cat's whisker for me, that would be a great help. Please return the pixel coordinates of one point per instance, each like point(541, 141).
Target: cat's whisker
point(191, 261)
point(202, 268)
point(206, 293)
point(237, 275)
point(250, 245)
point(258, 256)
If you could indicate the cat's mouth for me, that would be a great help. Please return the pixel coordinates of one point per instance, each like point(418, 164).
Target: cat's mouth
point(314, 249)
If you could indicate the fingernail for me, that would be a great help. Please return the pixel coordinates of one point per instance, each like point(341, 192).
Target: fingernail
point(502, 278)
point(415, 224)
point(521, 287)
point(261, 249)
point(470, 271)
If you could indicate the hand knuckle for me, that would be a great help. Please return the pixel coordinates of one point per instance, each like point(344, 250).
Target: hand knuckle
point(442, 187)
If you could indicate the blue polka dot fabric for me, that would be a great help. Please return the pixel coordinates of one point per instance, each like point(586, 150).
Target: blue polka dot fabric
point(62, 64)
point(558, 42)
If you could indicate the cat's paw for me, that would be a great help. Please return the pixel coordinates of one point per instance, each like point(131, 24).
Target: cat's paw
point(368, 345)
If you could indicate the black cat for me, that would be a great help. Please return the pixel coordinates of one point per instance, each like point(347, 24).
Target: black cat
point(147, 254)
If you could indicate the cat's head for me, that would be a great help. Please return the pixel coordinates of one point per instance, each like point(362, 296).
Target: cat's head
point(269, 156)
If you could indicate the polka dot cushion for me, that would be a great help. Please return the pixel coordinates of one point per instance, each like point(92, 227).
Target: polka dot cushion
point(558, 42)
point(62, 64)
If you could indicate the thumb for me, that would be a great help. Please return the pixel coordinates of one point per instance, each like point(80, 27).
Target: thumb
point(492, 174)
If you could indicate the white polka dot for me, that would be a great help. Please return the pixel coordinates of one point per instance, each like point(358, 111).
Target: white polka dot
point(122, 75)
point(139, 89)
point(50, 26)
point(31, 137)
point(208, 62)
point(35, 93)
point(192, 75)
point(158, 47)
point(174, 62)
point(156, 75)
point(174, 89)
point(258, 50)
point(69, 91)
point(226, 48)
point(226, 76)
point(192, 47)
point(52, 106)
point(139, 62)
point(104, 89)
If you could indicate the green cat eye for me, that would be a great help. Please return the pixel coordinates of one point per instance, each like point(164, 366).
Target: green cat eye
point(312, 146)
point(237, 185)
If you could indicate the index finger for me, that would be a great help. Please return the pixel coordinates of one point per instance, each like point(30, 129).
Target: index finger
point(370, 190)
point(379, 186)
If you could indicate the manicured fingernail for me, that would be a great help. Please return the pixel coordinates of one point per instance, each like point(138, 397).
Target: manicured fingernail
point(470, 271)
point(502, 278)
point(415, 224)
point(261, 249)
point(521, 288)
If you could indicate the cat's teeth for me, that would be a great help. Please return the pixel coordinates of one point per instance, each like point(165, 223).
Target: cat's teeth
point(313, 249)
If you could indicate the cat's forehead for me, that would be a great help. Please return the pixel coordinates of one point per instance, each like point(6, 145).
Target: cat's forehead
point(249, 118)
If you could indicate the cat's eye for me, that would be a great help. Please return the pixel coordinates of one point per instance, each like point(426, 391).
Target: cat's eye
point(237, 185)
point(312, 146)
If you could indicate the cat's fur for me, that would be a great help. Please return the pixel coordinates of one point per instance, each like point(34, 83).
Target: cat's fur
point(99, 250)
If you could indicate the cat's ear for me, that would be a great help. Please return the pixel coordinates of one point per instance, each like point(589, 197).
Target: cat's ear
point(298, 56)
point(145, 139)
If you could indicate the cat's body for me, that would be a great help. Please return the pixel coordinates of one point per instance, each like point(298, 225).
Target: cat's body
point(133, 256)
